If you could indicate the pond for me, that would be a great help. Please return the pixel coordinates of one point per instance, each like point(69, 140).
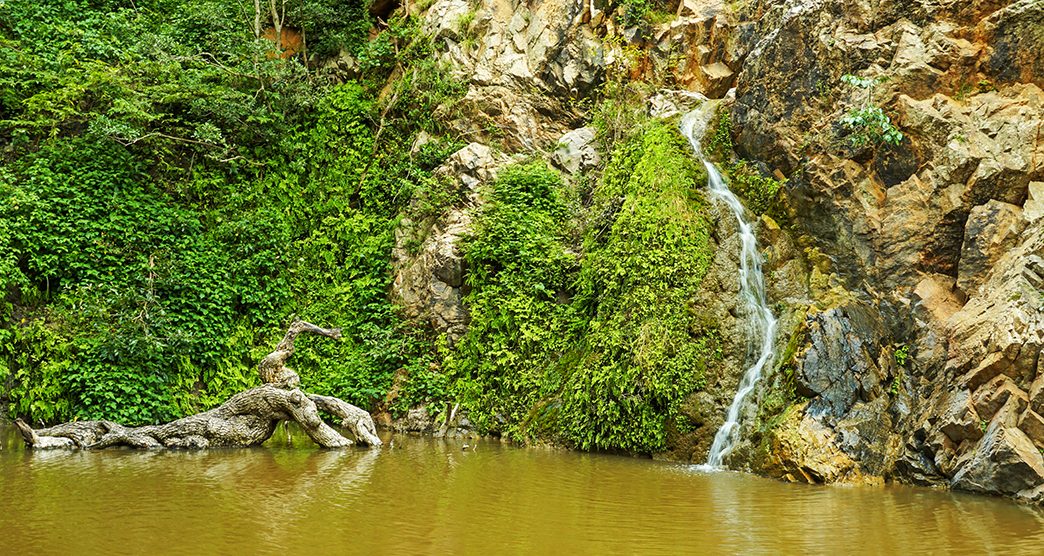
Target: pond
point(424, 495)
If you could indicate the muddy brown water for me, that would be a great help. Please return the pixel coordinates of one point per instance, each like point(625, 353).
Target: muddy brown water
point(429, 496)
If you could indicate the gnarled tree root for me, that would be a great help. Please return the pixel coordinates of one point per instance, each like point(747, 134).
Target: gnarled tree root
point(247, 419)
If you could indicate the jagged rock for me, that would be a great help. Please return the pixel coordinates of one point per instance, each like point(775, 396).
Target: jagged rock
point(577, 152)
point(524, 64)
point(703, 36)
point(916, 466)
point(991, 366)
point(444, 17)
point(688, 8)
point(717, 78)
point(802, 450)
point(839, 366)
point(429, 279)
point(1036, 394)
point(936, 293)
point(1004, 461)
point(960, 421)
point(1015, 42)
point(934, 230)
point(867, 435)
point(1032, 424)
point(991, 230)
point(989, 399)
point(670, 103)
point(1033, 209)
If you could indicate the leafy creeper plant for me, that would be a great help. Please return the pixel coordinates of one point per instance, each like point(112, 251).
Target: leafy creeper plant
point(868, 123)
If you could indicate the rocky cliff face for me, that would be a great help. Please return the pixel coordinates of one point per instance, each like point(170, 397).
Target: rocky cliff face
point(909, 276)
point(937, 238)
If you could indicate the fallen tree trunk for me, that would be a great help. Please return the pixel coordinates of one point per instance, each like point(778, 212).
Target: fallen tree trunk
point(247, 419)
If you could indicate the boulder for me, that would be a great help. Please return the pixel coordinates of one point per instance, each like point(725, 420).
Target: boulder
point(1005, 461)
point(960, 421)
point(1015, 42)
point(577, 151)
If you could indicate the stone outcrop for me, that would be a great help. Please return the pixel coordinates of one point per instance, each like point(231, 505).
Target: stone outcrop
point(577, 152)
point(803, 451)
point(939, 234)
point(525, 64)
point(428, 263)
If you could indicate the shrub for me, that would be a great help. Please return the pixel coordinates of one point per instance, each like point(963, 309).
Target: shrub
point(868, 123)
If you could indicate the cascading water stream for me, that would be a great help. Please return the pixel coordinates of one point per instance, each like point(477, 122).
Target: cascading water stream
point(752, 286)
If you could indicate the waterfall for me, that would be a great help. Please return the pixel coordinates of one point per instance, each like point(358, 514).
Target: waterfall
point(752, 286)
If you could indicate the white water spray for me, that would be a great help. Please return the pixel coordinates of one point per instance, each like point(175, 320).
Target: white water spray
point(752, 286)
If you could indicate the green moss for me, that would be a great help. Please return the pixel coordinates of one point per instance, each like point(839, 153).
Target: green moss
point(600, 352)
point(645, 347)
point(170, 195)
point(761, 193)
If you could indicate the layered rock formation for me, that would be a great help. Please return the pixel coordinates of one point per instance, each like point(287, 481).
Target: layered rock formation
point(937, 237)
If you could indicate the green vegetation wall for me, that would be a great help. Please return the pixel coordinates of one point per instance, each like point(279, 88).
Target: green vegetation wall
point(595, 346)
point(173, 191)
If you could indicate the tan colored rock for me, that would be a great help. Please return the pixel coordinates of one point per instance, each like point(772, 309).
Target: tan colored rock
point(991, 366)
point(960, 421)
point(444, 17)
point(1036, 394)
point(687, 8)
point(991, 231)
point(1015, 42)
point(717, 78)
point(1032, 424)
point(936, 293)
point(989, 399)
point(525, 63)
point(803, 450)
point(669, 103)
point(1033, 209)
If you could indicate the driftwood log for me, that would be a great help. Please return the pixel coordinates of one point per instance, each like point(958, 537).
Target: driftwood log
point(246, 419)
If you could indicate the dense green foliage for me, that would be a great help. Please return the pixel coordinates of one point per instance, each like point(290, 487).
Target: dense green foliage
point(598, 352)
point(173, 192)
point(518, 270)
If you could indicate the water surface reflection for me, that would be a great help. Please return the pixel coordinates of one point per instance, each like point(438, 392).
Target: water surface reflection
point(422, 495)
